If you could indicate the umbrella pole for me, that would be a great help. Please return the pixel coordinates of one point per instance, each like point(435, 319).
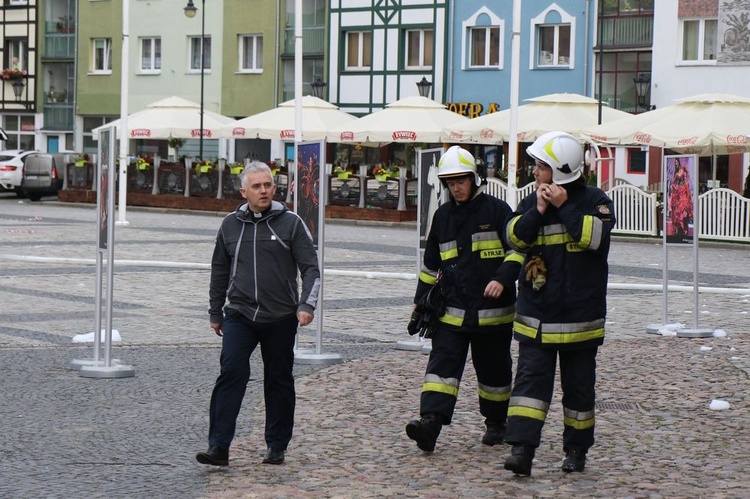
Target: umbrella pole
point(124, 132)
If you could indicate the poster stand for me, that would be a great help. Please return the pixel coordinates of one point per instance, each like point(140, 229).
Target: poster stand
point(681, 225)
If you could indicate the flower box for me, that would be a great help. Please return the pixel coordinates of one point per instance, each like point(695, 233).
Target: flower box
point(236, 170)
point(142, 165)
point(343, 175)
point(80, 163)
point(382, 178)
point(274, 171)
point(203, 168)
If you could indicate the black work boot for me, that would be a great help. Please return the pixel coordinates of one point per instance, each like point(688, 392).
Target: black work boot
point(520, 460)
point(425, 431)
point(575, 460)
point(494, 434)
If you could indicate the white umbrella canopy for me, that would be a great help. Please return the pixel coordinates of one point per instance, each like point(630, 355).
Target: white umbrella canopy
point(554, 112)
point(318, 116)
point(703, 124)
point(408, 120)
point(173, 117)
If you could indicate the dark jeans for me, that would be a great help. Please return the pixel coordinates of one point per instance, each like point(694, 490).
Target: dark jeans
point(241, 336)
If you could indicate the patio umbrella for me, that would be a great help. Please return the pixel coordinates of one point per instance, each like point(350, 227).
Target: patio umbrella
point(173, 117)
point(318, 116)
point(554, 112)
point(409, 120)
point(704, 124)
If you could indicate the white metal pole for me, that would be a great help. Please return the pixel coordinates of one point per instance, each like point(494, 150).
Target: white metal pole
point(515, 54)
point(124, 132)
point(297, 92)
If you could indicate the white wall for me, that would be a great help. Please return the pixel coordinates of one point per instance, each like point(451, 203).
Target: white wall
point(673, 79)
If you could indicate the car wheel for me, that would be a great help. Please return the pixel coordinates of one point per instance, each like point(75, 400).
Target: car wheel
point(35, 196)
point(20, 194)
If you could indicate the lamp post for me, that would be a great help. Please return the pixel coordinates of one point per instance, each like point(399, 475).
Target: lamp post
point(642, 83)
point(424, 87)
point(190, 11)
point(318, 87)
point(17, 85)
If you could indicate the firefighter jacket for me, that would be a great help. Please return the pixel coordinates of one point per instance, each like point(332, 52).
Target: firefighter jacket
point(465, 249)
point(562, 297)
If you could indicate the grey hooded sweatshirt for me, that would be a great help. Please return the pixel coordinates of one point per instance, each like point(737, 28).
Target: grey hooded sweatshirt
point(255, 262)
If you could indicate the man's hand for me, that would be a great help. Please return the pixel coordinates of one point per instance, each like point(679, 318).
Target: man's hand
point(217, 329)
point(493, 290)
point(556, 195)
point(304, 318)
point(541, 198)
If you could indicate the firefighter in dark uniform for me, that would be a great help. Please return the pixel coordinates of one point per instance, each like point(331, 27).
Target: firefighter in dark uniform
point(464, 257)
point(564, 231)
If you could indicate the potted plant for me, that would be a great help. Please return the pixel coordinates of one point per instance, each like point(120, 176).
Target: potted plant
point(176, 144)
point(81, 160)
point(381, 173)
point(236, 168)
point(12, 74)
point(144, 162)
point(274, 167)
point(203, 166)
point(341, 172)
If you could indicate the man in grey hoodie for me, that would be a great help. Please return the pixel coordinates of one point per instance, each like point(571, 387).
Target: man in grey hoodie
point(254, 299)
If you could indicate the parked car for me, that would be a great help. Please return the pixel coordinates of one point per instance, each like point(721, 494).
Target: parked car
point(42, 175)
point(11, 169)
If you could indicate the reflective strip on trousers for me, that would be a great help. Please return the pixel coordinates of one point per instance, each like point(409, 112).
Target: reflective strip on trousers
point(494, 393)
point(578, 420)
point(434, 383)
point(527, 407)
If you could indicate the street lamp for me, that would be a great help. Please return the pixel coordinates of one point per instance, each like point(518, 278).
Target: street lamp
point(642, 83)
point(318, 87)
point(424, 87)
point(190, 11)
point(18, 88)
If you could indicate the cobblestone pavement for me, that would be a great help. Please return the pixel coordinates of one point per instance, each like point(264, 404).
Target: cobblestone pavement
point(66, 436)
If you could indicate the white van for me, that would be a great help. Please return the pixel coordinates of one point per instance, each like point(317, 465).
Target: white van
point(42, 175)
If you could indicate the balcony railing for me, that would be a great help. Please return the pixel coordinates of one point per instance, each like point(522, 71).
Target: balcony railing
point(59, 46)
point(627, 32)
point(58, 116)
point(313, 41)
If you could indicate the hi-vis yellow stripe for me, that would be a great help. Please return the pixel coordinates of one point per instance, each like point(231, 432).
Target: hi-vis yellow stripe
point(523, 329)
point(494, 397)
point(451, 253)
point(493, 321)
point(572, 337)
point(480, 245)
point(427, 278)
point(441, 388)
point(527, 412)
point(578, 425)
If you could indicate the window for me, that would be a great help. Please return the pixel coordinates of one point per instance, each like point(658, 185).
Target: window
point(251, 53)
point(15, 53)
point(485, 47)
point(358, 50)
point(554, 45)
point(102, 55)
point(552, 39)
point(89, 123)
point(419, 48)
point(20, 131)
point(196, 52)
point(482, 43)
point(636, 161)
point(150, 55)
point(699, 39)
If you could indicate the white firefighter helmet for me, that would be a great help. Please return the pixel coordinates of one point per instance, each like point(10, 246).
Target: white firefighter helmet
point(562, 152)
point(457, 162)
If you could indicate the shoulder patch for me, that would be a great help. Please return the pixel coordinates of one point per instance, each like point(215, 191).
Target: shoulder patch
point(484, 226)
point(604, 209)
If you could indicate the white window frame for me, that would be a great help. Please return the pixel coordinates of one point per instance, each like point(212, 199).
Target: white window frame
point(257, 53)
point(191, 55)
point(152, 64)
point(106, 63)
point(361, 49)
point(18, 2)
point(540, 21)
point(466, 45)
point(701, 43)
point(17, 47)
point(421, 65)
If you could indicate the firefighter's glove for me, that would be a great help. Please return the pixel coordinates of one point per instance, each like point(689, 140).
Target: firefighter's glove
point(414, 322)
point(536, 272)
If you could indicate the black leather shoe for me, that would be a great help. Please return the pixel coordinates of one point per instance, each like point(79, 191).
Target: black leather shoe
point(575, 460)
point(494, 434)
point(273, 456)
point(520, 460)
point(215, 455)
point(424, 431)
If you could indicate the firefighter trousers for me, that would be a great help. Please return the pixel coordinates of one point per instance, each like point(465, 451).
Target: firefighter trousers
point(532, 394)
point(490, 354)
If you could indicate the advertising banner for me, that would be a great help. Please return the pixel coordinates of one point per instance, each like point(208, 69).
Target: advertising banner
point(679, 192)
point(308, 185)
